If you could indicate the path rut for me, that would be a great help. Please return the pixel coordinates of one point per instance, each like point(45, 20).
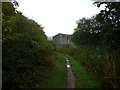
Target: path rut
point(71, 77)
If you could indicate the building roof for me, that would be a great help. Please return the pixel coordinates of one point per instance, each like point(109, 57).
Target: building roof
point(61, 34)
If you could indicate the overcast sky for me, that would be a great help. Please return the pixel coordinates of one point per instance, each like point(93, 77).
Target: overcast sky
point(57, 16)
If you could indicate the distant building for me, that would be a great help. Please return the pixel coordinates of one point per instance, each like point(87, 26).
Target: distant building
point(62, 39)
point(49, 38)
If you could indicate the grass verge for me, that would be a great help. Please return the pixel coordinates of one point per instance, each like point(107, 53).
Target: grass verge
point(84, 79)
point(57, 77)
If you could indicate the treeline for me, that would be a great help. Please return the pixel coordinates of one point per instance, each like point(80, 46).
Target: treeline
point(98, 44)
point(102, 29)
point(27, 54)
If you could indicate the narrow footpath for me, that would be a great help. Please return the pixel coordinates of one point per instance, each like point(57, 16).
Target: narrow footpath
point(71, 77)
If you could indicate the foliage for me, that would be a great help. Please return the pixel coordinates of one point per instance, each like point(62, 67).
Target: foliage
point(99, 50)
point(87, 32)
point(110, 20)
point(102, 29)
point(103, 64)
point(25, 50)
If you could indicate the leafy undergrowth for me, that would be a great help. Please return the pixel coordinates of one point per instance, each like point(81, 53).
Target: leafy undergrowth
point(84, 79)
point(57, 77)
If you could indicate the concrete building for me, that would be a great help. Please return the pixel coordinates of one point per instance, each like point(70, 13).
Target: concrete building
point(62, 39)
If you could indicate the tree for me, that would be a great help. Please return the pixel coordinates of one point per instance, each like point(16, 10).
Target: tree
point(25, 49)
point(87, 32)
point(110, 20)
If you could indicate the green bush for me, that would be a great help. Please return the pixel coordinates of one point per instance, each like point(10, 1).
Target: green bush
point(25, 49)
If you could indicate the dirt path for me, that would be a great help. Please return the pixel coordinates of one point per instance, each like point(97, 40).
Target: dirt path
point(71, 77)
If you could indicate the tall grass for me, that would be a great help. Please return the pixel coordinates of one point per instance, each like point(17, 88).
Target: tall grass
point(103, 63)
point(83, 79)
point(57, 77)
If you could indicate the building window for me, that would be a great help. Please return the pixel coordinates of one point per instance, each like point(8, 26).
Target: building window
point(68, 40)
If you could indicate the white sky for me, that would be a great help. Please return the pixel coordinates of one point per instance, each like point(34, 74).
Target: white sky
point(57, 16)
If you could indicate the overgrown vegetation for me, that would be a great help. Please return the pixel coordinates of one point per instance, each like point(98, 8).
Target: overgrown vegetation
point(27, 54)
point(100, 62)
point(98, 44)
point(57, 78)
point(83, 78)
